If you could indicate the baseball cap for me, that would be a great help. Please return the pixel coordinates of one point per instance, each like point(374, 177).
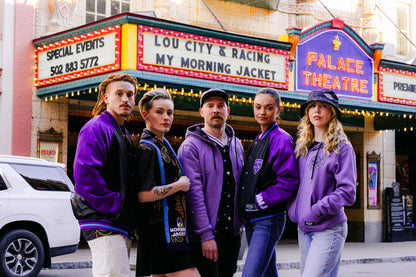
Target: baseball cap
point(213, 92)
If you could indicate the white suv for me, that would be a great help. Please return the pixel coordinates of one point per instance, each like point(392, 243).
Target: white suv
point(36, 219)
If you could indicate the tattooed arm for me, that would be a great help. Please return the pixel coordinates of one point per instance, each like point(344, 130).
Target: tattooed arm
point(159, 192)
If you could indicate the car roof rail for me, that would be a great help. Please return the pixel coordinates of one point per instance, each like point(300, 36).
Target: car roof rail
point(27, 160)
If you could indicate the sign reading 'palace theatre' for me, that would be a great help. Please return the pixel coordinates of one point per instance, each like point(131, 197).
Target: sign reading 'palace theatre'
point(184, 54)
point(332, 59)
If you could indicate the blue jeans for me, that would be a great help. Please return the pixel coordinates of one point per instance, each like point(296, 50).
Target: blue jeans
point(321, 251)
point(262, 237)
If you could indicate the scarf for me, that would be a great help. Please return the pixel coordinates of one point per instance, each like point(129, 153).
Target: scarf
point(174, 206)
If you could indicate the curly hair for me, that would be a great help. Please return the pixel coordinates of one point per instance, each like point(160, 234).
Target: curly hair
point(146, 103)
point(306, 134)
point(101, 106)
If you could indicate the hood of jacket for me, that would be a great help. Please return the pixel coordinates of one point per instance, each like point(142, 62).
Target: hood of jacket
point(196, 130)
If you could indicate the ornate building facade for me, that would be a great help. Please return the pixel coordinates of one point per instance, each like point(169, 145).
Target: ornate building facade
point(383, 28)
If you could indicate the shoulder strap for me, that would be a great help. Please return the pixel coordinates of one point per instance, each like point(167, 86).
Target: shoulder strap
point(166, 142)
point(163, 183)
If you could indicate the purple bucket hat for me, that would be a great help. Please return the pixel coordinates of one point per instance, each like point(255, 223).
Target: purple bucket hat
point(323, 95)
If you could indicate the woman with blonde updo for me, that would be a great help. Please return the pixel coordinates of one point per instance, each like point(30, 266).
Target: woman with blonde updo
point(163, 243)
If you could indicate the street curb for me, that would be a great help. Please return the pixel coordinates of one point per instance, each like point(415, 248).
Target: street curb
point(71, 265)
point(240, 264)
point(379, 260)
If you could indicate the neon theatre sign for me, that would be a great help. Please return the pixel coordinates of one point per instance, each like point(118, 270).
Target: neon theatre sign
point(331, 59)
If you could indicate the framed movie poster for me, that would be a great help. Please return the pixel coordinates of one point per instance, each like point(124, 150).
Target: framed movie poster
point(373, 187)
point(49, 151)
point(50, 146)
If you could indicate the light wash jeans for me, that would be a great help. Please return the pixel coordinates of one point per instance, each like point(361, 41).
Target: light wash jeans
point(321, 251)
point(262, 237)
point(110, 256)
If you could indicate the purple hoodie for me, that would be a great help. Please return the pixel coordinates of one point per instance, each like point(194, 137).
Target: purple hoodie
point(203, 165)
point(327, 184)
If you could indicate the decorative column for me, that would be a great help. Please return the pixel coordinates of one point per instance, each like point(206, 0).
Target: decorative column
point(61, 12)
point(378, 52)
point(305, 13)
point(294, 34)
point(162, 10)
point(370, 21)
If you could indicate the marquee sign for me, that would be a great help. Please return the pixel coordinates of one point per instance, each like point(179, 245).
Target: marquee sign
point(397, 86)
point(190, 55)
point(81, 56)
point(331, 59)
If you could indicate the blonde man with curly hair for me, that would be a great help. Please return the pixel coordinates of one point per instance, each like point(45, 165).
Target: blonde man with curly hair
point(104, 202)
point(327, 171)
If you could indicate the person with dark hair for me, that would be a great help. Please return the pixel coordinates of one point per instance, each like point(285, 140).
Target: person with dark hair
point(104, 202)
point(163, 248)
point(327, 169)
point(270, 178)
point(212, 157)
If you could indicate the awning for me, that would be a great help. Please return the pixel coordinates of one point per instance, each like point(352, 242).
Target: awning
point(186, 93)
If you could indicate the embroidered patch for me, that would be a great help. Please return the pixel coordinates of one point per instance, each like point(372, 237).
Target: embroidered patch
point(257, 165)
point(318, 163)
point(260, 202)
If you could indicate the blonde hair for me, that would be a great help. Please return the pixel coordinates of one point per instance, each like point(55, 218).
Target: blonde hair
point(146, 103)
point(306, 134)
point(101, 106)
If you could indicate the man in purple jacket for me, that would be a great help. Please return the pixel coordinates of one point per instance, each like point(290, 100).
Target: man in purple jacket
point(105, 198)
point(212, 158)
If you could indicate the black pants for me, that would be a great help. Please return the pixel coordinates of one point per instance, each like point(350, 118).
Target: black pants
point(228, 247)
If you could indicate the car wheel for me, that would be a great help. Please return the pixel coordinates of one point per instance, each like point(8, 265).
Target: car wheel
point(21, 254)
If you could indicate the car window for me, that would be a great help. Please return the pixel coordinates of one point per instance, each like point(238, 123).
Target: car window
point(42, 177)
point(2, 184)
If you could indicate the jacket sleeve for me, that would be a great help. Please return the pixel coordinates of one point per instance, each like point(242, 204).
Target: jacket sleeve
point(188, 155)
point(284, 164)
point(344, 194)
point(239, 160)
point(89, 160)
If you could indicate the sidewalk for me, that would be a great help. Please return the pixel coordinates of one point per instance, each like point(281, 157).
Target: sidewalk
point(288, 255)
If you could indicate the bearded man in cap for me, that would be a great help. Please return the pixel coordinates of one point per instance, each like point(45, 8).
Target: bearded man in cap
point(212, 158)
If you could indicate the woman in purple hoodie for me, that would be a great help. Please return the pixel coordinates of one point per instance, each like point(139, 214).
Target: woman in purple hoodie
point(327, 171)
